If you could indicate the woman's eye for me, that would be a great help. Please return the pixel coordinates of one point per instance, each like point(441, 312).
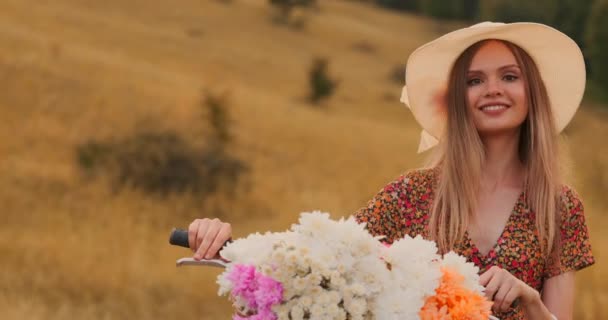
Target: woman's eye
point(510, 77)
point(473, 82)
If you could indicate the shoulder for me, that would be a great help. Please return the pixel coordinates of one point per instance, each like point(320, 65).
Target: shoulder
point(422, 178)
point(399, 207)
point(570, 201)
point(574, 249)
point(412, 187)
point(571, 217)
point(407, 188)
point(567, 192)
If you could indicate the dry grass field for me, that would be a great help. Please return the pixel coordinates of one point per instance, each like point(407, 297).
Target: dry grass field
point(74, 71)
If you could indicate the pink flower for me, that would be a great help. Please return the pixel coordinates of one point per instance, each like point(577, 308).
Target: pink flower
point(243, 278)
point(269, 293)
point(261, 292)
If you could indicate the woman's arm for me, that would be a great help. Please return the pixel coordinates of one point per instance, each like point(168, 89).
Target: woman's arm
point(558, 295)
point(556, 300)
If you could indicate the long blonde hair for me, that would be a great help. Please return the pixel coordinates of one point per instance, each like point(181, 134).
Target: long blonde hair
point(460, 157)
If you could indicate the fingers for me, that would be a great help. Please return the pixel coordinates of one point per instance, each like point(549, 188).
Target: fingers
point(503, 288)
point(206, 239)
point(509, 300)
point(491, 281)
point(192, 232)
point(485, 277)
point(207, 236)
point(223, 235)
point(197, 230)
point(493, 286)
point(500, 298)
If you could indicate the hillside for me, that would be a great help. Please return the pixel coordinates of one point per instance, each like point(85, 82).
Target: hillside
point(76, 71)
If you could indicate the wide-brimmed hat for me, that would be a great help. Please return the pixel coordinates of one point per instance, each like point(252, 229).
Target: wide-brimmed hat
point(559, 60)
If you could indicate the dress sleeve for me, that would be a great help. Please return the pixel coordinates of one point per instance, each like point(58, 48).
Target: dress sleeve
point(382, 214)
point(401, 207)
point(575, 247)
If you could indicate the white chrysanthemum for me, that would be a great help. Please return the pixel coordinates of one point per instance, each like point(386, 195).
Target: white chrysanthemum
point(411, 250)
point(317, 311)
point(305, 302)
point(254, 249)
point(372, 274)
point(282, 310)
point(356, 239)
point(314, 224)
point(345, 237)
point(397, 304)
point(297, 313)
point(224, 284)
point(467, 269)
point(356, 307)
point(414, 264)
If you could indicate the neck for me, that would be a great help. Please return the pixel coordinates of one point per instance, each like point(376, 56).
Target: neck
point(502, 166)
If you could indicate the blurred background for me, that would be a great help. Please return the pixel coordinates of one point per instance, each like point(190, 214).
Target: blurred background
point(124, 118)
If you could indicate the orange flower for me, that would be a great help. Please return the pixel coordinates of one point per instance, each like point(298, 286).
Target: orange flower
point(453, 301)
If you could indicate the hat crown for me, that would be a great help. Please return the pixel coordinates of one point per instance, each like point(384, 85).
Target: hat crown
point(487, 24)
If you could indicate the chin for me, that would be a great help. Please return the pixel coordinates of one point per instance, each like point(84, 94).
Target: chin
point(498, 130)
point(498, 126)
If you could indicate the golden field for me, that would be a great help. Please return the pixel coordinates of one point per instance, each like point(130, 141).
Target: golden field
point(73, 71)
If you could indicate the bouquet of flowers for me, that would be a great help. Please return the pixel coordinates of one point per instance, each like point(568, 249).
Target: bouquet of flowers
point(327, 269)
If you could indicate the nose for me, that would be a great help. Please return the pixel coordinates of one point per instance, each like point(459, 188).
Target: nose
point(493, 88)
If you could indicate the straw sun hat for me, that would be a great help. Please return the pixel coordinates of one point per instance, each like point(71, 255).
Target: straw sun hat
point(558, 57)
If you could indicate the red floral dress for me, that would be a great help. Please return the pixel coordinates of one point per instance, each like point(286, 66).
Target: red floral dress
point(403, 206)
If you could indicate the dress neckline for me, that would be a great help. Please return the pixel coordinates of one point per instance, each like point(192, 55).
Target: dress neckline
point(485, 258)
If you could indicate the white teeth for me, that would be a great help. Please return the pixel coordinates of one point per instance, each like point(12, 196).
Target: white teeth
point(493, 108)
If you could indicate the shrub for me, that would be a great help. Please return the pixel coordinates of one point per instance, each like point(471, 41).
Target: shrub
point(285, 8)
point(162, 163)
point(397, 74)
point(214, 108)
point(321, 85)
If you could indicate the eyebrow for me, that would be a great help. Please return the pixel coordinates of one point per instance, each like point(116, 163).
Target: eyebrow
point(501, 68)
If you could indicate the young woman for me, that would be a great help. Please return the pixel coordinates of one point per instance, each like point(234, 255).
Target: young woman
point(493, 97)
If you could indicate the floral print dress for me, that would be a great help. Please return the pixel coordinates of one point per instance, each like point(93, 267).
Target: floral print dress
point(403, 208)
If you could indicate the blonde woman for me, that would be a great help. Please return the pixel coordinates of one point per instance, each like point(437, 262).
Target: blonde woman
point(492, 98)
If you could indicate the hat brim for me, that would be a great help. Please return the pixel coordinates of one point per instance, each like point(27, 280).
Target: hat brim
point(559, 60)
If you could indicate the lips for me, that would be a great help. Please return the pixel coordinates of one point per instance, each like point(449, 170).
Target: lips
point(494, 108)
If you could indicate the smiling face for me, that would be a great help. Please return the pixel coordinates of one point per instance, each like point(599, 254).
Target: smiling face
point(496, 90)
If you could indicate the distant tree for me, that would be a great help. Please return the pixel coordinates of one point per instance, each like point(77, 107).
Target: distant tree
point(407, 5)
point(571, 18)
point(568, 16)
point(321, 85)
point(441, 9)
point(453, 9)
point(470, 9)
point(597, 42)
point(543, 11)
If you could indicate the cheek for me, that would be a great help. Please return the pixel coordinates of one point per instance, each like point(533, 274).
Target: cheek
point(472, 96)
point(521, 97)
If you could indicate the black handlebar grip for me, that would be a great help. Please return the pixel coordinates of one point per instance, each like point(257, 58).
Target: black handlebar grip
point(179, 237)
